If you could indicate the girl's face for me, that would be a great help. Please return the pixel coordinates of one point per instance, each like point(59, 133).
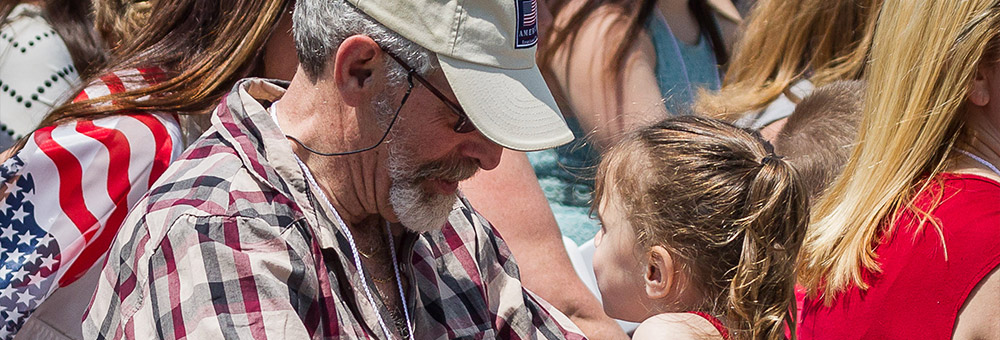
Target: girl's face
point(618, 265)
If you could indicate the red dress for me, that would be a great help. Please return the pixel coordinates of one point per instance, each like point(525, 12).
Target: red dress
point(919, 292)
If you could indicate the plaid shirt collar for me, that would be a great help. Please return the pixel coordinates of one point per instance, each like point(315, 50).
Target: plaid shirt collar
point(271, 159)
point(267, 154)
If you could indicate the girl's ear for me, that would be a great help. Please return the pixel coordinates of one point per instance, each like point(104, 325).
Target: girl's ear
point(979, 94)
point(659, 277)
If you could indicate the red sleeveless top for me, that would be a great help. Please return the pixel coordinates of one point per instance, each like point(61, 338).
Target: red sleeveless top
point(723, 331)
point(919, 292)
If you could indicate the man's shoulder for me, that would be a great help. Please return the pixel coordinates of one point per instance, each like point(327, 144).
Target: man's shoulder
point(211, 180)
point(200, 180)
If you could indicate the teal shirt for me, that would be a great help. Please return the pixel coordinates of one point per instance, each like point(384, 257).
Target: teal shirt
point(681, 69)
point(566, 173)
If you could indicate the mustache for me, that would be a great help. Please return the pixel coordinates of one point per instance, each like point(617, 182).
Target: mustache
point(453, 170)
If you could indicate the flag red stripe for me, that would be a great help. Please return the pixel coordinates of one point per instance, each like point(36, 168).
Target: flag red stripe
point(164, 146)
point(70, 176)
point(81, 96)
point(152, 75)
point(118, 187)
point(113, 83)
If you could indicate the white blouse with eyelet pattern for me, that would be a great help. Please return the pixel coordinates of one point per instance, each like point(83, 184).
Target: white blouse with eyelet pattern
point(36, 72)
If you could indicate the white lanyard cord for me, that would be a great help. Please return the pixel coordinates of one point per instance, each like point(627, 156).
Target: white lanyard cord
point(354, 248)
point(399, 283)
point(980, 160)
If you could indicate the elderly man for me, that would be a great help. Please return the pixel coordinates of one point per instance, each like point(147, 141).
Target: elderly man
point(329, 210)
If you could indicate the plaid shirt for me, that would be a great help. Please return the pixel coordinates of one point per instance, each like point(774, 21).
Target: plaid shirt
point(231, 242)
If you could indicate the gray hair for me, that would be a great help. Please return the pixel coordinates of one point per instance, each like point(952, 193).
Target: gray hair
point(320, 26)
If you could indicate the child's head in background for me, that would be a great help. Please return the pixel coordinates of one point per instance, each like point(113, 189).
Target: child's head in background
point(818, 136)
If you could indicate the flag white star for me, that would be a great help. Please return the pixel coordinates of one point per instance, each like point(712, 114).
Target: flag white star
point(32, 257)
point(14, 314)
point(48, 262)
point(15, 255)
point(8, 292)
point(46, 239)
point(36, 279)
point(13, 188)
point(19, 275)
point(5, 330)
point(29, 196)
point(26, 239)
point(19, 214)
point(8, 233)
point(25, 298)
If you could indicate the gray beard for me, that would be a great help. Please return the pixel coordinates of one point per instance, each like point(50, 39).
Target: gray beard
point(417, 209)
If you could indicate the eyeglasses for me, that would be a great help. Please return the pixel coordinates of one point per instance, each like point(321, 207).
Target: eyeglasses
point(462, 125)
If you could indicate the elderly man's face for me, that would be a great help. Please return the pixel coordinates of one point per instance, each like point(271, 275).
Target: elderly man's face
point(427, 158)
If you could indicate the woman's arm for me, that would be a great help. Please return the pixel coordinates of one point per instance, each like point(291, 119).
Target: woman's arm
point(593, 95)
point(65, 196)
point(979, 318)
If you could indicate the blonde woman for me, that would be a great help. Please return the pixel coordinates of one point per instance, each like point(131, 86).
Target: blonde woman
point(789, 47)
point(906, 243)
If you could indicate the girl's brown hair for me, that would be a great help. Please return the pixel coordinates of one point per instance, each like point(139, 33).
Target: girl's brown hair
point(631, 17)
point(119, 20)
point(717, 198)
point(203, 46)
point(788, 40)
point(71, 20)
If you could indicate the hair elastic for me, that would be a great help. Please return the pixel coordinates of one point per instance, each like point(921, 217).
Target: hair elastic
point(769, 158)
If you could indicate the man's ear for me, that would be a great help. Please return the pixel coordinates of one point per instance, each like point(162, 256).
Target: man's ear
point(355, 62)
point(979, 93)
point(659, 275)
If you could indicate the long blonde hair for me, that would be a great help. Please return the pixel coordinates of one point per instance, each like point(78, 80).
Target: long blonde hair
point(924, 57)
point(789, 40)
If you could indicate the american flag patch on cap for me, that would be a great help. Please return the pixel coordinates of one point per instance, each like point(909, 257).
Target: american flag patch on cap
point(527, 24)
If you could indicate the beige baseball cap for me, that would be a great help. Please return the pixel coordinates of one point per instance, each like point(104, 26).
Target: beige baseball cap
point(486, 49)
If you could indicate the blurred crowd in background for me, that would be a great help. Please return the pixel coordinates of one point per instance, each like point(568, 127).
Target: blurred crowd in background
point(770, 169)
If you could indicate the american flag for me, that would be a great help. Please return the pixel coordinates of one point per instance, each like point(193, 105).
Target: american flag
point(30, 256)
point(529, 16)
point(64, 196)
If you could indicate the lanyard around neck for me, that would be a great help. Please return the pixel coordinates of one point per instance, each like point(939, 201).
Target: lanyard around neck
point(980, 160)
point(354, 248)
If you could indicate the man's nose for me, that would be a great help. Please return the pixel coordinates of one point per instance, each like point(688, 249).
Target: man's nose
point(484, 151)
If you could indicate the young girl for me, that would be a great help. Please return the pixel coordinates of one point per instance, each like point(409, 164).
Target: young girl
point(701, 226)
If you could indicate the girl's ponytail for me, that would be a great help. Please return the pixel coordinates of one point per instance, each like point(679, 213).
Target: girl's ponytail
point(761, 300)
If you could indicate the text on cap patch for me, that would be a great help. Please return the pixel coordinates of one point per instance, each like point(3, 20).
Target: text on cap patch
point(527, 24)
